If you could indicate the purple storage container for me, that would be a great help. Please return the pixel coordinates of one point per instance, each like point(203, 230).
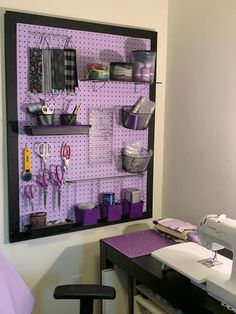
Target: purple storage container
point(86, 217)
point(135, 121)
point(132, 210)
point(111, 212)
point(136, 210)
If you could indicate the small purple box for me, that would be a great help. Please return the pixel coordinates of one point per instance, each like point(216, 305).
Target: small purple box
point(111, 212)
point(132, 210)
point(86, 217)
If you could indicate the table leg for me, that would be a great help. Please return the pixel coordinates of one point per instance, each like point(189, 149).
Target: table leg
point(130, 287)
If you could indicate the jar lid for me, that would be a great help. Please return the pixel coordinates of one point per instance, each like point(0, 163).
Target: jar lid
point(143, 51)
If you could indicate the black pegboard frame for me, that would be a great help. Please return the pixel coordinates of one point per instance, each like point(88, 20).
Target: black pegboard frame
point(11, 20)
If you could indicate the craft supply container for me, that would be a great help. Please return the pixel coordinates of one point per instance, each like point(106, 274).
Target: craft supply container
point(108, 198)
point(38, 220)
point(45, 119)
point(68, 119)
point(97, 71)
point(136, 164)
point(143, 65)
point(111, 212)
point(86, 217)
point(121, 71)
point(132, 210)
point(131, 195)
point(135, 121)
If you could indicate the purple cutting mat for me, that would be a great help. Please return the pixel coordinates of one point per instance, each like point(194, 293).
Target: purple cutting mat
point(138, 243)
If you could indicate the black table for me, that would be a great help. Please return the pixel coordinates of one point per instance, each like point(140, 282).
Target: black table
point(171, 285)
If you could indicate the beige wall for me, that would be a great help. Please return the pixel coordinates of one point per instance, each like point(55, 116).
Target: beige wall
point(46, 262)
point(200, 112)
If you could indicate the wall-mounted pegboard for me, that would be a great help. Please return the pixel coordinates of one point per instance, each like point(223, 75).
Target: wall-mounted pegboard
point(96, 141)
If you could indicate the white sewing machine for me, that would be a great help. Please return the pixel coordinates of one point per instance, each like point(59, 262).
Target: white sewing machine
point(215, 274)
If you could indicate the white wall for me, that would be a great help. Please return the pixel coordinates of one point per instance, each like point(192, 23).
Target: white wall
point(200, 112)
point(46, 262)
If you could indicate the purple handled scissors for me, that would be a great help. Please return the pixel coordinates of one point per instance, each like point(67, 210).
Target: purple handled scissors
point(43, 178)
point(57, 179)
point(30, 190)
point(66, 156)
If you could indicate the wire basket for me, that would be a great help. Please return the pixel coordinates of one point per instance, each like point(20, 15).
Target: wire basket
point(136, 164)
point(135, 121)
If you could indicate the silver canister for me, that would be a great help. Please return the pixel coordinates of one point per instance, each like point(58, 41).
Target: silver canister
point(132, 195)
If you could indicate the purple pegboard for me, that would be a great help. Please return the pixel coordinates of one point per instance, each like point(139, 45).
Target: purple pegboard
point(139, 243)
point(90, 178)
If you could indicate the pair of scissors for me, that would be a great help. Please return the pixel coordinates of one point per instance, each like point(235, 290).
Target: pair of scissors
point(48, 109)
point(44, 151)
point(66, 155)
point(30, 190)
point(57, 179)
point(43, 178)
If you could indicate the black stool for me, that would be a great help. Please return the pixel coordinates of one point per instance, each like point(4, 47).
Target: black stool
point(86, 294)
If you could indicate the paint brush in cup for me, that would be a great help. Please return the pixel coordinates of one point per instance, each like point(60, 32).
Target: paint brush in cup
point(74, 114)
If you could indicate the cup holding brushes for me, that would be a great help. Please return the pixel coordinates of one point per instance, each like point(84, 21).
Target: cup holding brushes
point(70, 118)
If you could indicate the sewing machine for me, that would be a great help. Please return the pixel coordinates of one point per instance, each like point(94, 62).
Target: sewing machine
point(214, 273)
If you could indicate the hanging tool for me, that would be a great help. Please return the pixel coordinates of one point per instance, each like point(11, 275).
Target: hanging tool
point(57, 178)
point(27, 174)
point(43, 179)
point(66, 155)
point(30, 190)
point(44, 151)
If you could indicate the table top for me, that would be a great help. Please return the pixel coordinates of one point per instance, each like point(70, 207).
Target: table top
point(170, 284)
point(139, 243)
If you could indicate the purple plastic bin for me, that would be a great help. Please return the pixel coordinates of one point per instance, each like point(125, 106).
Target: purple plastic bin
point(132, 210)
point(136, 210)
point(111, 212)
point(114, 212)
point(135, 121)
point(86, 217)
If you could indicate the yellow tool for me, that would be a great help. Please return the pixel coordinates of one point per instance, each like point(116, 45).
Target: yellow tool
point(27, 175)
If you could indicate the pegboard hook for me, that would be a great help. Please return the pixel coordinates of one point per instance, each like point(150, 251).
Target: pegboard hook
point(68, 39)
point(99, 85)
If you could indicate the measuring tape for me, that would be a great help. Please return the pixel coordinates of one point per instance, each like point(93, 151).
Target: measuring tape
point(27, 175)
